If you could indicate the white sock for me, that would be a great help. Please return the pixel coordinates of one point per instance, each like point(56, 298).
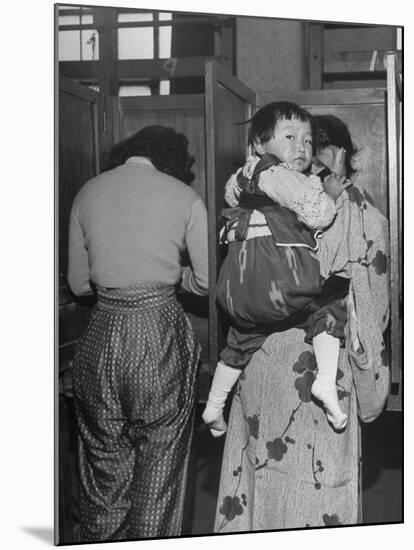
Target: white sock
point(224, 379)
point(326, 349)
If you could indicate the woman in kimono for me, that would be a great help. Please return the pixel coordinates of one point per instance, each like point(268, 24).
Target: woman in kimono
point(283, 466)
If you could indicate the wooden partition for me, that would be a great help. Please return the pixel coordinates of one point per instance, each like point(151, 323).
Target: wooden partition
point(395, 191)
point(372, 115)
point(218, 142)
point(364, 112)
point(229, 103)
point(372, 118)
point(218, 148)
point(211, 122)
point(77, 161)
point(78, 158)
point(184, 113)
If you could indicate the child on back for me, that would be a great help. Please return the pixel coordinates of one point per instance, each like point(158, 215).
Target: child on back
point(270, 279)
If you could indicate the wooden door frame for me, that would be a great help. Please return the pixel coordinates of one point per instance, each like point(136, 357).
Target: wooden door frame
point(394, 99)
point(216, 75)
point(94, 98)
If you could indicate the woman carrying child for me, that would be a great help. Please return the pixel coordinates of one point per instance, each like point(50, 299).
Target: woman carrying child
point(270, 279)
point(284, 466)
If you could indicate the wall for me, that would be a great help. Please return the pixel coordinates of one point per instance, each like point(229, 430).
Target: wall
point(271, 53)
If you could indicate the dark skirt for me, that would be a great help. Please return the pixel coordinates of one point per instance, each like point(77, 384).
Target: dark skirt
point(134, 386)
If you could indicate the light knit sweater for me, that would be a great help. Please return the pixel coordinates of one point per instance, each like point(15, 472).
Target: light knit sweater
point(303, 195)
point(130, 225)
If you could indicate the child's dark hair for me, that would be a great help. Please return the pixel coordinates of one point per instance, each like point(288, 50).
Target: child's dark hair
point(163, 146)
point(263, 122)
point(331, 130)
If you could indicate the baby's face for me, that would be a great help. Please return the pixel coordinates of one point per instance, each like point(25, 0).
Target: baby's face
point(292, 143)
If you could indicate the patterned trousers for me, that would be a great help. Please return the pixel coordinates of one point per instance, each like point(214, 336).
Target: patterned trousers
point(134, 387)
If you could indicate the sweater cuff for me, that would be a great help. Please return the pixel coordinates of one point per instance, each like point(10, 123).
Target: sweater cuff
point(189, 283)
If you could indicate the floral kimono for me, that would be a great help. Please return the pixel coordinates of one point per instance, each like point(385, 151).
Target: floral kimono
point(284, 466)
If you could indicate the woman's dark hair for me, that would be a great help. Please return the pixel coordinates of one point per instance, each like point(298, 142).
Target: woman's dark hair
point(163, 146)
point(263, 122)
point(333, 131)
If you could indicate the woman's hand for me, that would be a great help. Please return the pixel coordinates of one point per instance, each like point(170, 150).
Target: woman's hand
point(334, 184)
point(331, 156)
point(317, 166)
point(338, 161)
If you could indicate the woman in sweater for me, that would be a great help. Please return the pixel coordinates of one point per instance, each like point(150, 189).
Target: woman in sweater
point(135, 367)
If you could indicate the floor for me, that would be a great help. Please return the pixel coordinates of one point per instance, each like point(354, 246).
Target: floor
point(382, 469)
point(381, 474)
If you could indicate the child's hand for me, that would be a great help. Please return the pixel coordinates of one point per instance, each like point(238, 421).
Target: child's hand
point(232, 191)
point(334, 184)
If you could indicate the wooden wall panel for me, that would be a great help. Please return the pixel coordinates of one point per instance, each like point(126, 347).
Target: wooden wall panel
point(373, 118)
point(231, 138)
point(366, 124)
point(228, 103)
point(230, 154)
point(77, 158)
point(186, 115)
point(394, 125)
point(364, 112)
point(183, 115)
point(77, 162)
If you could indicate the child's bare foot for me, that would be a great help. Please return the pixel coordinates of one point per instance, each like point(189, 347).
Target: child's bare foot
point(329, 397)
point(217, 426)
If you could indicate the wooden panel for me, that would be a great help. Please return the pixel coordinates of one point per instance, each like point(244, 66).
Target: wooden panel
point(364, 112)
point(67, 491)
point(178, 102)
point(77, 161)
point(105, 19)
point(227, 53)
point(395, 214)
point(162, 68)
point(355, 61)
point(355, 84)
point(316, 55)
point(347, 56)
point(326, 97)
point(373, 117)
point(367, 127)
point(78, 158)
point(183, 113)
point(136, 69)
point(226, 147)
point(358, 37)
